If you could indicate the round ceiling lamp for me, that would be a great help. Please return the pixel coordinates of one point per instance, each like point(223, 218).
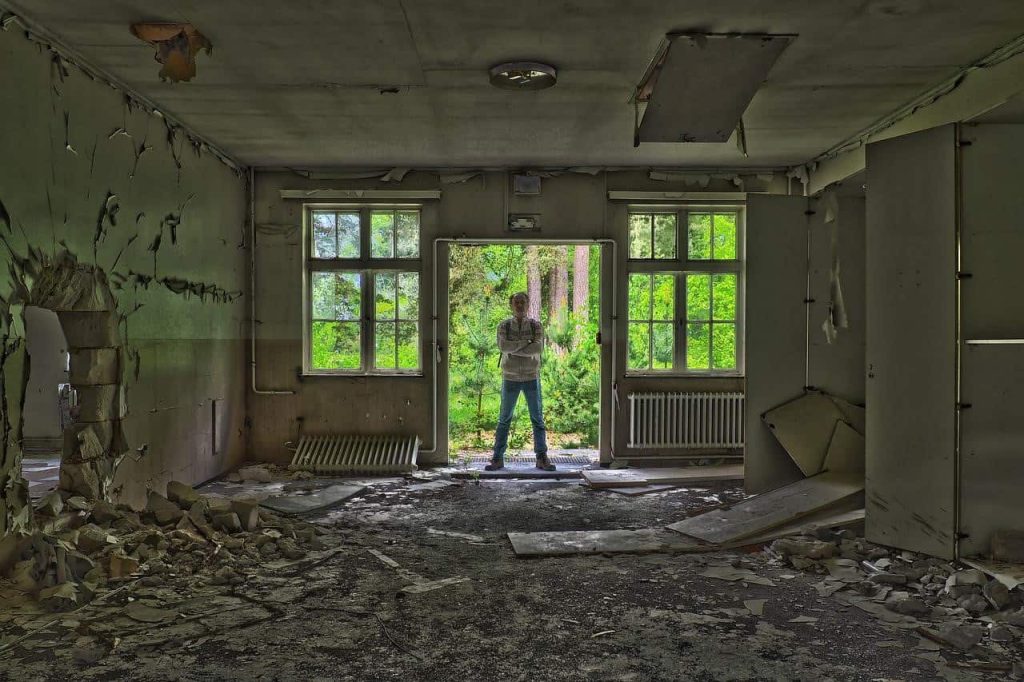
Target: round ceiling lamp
point(523, 76)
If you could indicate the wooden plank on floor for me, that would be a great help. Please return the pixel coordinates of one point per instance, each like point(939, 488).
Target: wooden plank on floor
point(694, 475)
point(641, 490)
point(808, 525)
point(644, 540)
point(772, 509)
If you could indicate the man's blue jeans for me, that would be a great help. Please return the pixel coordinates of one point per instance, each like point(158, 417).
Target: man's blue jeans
point(509, 397)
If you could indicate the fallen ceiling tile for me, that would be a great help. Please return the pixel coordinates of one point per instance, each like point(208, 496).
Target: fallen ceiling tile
point(699, 87)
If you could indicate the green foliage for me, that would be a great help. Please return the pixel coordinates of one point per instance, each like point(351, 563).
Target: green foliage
point(652, 235)
point(480, 282)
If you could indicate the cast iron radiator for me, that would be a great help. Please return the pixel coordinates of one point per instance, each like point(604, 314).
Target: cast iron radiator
point(356, 454)
point(685, 420)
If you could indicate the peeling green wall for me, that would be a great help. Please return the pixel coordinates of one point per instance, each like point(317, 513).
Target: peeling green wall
point(85, 169)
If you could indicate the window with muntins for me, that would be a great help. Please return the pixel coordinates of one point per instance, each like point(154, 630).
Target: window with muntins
point(685, 308)
point(363, 290)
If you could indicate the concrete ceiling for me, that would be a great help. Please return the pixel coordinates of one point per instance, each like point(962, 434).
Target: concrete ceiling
point(298, 83)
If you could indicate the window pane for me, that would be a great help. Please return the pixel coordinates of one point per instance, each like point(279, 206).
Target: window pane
point(699, 236)
point(723, 346)
point(323, 235)
point(665, 235)
point(348, 235)
point(698, 338)
point(336, 296)
point(349, 296)
point(384, 296)
point(384, 346)
point(664, 297)
point(409, 296)
point(640, 235)
point(639, 345)
point(408, 234)
point(663, 345)
point(725, 236)
point(639, 296)
point(382, 234)
point(335, 345)
point(324, 300)
point(724, 296)
point(408, 345)
point(698, 297)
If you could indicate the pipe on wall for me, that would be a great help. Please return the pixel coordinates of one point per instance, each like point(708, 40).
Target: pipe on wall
point(252, 289)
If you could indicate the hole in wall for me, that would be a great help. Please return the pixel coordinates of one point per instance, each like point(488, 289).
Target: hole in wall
point(49, 398)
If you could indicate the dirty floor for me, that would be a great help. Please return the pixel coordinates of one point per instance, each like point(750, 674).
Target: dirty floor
point(342, 614)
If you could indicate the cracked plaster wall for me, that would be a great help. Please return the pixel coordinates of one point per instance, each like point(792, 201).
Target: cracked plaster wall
point(90, 178)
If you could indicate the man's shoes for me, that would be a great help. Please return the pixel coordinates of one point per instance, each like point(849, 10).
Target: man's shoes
point(544, 463)
point(494, 465)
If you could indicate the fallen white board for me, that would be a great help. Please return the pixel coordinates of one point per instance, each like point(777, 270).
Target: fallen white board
point(772, 509)
point(602, 541)
point(693, 475)
point(641, 490)
point(804, 429)
point(845, 451)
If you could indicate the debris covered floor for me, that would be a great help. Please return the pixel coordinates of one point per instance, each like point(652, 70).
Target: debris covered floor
point(340, 612)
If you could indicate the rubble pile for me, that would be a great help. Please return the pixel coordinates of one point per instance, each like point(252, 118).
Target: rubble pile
point(958, 608)
point(82, 546)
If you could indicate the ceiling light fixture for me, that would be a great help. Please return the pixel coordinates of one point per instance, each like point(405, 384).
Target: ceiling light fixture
point(523, 76)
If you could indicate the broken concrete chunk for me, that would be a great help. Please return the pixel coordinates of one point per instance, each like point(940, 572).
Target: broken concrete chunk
point(257, 473)
point(228, 522)
point(80, 478)
point(52, 504)
point(845, 570)
point(974, 604)
point(217, 505)
point(182, 494)
point(148, 614)
point(909, 606)
point(92, 538)
point(104, 512)
point(971, 576)
point(996, 593)
point(122, 565)
point(78, 503)
point(1001, 633)
point(59, 597)
point(811, 549)
point(24, 575)
point(162, 509)
point(248, 512)
point(888, 579)
point(963, 637)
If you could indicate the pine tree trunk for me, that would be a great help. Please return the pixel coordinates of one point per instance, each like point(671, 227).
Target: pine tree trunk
point(581, 282)
point(560, 297)
point(581, 289)
point(533, 280)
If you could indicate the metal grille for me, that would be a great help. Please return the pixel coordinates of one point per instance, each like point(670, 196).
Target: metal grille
point(356, 454)
point(685, 420)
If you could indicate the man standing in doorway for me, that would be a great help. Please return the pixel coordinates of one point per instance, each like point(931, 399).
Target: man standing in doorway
point(521, 341)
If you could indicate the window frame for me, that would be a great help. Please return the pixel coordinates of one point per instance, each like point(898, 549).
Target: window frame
point(367, 267)
point(682, 266)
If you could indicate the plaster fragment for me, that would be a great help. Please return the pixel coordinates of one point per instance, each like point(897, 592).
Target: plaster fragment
point(176, 47)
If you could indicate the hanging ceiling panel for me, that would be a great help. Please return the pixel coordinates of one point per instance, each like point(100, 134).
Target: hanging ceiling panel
point(702, 84)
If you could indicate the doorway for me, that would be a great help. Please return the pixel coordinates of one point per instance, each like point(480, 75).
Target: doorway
point(49, 400)
point(563, 284)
